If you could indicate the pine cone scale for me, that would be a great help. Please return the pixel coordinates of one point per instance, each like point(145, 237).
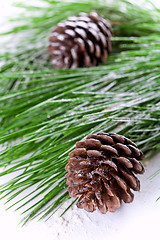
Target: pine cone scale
point(126, 196)
point(137, 166)
point(131, 179)
point(124, 161)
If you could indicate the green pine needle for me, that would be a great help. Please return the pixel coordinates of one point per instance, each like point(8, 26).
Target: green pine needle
point(44, 111)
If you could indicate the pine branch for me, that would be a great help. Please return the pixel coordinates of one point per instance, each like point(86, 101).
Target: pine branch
point(45, 111)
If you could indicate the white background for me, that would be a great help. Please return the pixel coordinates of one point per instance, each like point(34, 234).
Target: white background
point(138, 220)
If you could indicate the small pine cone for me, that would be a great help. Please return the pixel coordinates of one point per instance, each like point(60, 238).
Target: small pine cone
point(101, 171)
point(81, 41)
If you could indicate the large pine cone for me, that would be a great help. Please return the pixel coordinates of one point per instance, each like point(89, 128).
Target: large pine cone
point(81, 41)
point(101, 171)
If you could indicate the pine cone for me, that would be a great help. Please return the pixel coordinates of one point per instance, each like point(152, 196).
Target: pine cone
point(81, 41)
point(101, 171)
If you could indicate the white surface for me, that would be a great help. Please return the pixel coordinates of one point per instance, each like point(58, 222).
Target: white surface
point(137, 220)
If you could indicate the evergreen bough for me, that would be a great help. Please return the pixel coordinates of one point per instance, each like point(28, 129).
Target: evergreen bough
point(44, 111)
